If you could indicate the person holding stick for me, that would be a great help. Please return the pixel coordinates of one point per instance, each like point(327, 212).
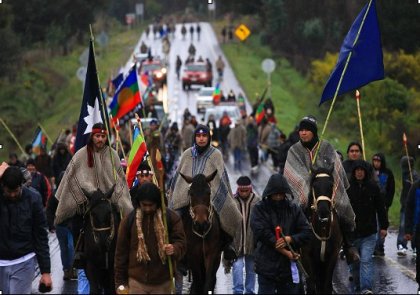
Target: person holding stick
point(275, 258)
point(143, 251)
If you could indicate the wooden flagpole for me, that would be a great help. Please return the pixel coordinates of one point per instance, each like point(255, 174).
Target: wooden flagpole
point(12, 135)
point(339, 84)
point(408, 158)
point(360, 124)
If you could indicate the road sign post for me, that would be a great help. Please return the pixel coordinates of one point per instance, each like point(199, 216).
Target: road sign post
point(268, 66)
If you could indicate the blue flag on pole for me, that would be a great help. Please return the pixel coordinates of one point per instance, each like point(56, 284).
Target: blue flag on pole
point(92, 108)
point(366, 61)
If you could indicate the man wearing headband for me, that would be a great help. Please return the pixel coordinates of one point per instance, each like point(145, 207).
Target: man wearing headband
point(205, 159)
point(297, 171)
point(94, 166)
point(245, 200)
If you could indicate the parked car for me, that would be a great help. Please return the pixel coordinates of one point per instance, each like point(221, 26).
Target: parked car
point(196, 74)
point(156, 68)
point(217, 111)
point(204, 99)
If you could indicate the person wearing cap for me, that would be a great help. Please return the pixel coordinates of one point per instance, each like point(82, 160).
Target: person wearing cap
point(202, 158)
point(141, 253)
point(298, 169)
point(245, 200)
point(274, 263)
point(23, 232)
point(144, 175)
point(368, 204)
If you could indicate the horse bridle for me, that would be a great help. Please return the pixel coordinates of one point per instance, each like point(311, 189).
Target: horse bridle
point(111, 226)
point(314, 207)
point(210, 210)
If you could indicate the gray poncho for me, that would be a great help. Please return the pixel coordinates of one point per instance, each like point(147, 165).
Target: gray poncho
point(221, 192)
point(298, 175)
point(78, 175)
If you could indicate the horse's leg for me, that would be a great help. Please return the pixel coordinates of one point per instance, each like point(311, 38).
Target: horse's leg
point(91, 274)
point(212, 265)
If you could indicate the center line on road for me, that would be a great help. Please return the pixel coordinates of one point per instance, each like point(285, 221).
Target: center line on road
point(409, 273)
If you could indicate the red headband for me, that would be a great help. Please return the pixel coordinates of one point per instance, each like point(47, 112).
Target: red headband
point(98, 130)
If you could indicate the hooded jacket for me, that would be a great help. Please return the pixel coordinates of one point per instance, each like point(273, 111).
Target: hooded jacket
point(386, 181)
point(268, 214)
point(366, 201)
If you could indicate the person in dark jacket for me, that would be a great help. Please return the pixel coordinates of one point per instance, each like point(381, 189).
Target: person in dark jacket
point(60, 161)
point(408, 176)
point(412, 220)
point(141, 252)
point(274, 263)
point(367, 203)
point(386, 188)
point(23, 232)
point(39, 181)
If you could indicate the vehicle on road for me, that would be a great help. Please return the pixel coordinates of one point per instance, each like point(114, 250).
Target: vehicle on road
point(204, 99)
point(217, 111)
point(156, 68)
point(196, 73)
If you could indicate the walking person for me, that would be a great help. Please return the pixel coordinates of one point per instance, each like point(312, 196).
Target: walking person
point(220, 67)
point(245, 200)
point(407, 176)
point(274, 263)
point(252, 143)
point(237, 141)
point(387, 190)
point(192, 32)
point(198, 29)
point(141, 256)
point(368, 205)
point(24, 237)
point(178, 64)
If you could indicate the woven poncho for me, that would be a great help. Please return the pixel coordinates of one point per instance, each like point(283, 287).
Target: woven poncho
point(78, 175)
point(221, 192)
point(298, 175)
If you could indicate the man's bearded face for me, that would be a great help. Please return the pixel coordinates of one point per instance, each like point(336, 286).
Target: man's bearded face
point(99, 140)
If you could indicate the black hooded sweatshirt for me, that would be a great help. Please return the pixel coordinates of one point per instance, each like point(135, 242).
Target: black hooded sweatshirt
point(265, 216)
point(386, 180)
point(366, 201)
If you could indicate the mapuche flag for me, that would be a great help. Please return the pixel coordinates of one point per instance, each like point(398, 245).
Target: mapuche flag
point(127, 97)
point(137, 153)
point(365, 64)
point(39, 141)
point(260, 113)
point(93, 109)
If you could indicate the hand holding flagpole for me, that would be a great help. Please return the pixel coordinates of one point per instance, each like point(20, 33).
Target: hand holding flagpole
point(408, 157)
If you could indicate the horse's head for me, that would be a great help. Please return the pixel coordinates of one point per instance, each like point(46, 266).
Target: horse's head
point(199, 192)
point(99, 215)
point(322, 191)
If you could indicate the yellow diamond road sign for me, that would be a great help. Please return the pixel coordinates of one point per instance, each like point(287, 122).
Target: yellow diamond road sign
point(242, 32)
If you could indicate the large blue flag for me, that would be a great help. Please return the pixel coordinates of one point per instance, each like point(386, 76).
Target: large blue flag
point(93, 107)
point(366, 61)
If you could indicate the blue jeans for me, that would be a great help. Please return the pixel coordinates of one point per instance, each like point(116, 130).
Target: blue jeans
point(238, 275)
point(65, 240)
point(237, 156)
point(82, 282)
point(401, 230)
point(268, 286)
point(363, 270)
point(17, 278)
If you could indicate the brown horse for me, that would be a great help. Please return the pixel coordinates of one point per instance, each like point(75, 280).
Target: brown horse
point(204, 234)
point(320, 255)
point(101, 222)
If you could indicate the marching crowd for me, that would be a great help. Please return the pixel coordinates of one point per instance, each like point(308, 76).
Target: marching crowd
point(40, 192)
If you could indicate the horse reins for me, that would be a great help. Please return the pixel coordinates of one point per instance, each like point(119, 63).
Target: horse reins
point(111, 227)
point(210, 210)
point(314, 207)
